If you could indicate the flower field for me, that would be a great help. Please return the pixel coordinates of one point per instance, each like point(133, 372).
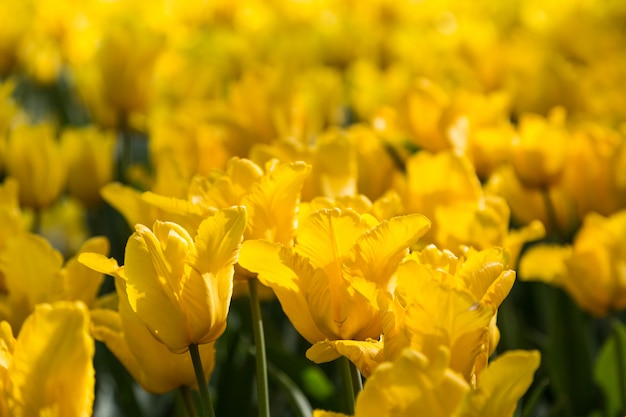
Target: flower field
point(312, 208)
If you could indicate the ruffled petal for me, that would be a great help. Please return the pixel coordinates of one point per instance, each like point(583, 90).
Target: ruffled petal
point(285, 273)
point(501, 385)
point(272, 202)
point(378, 252)
point(52, 365)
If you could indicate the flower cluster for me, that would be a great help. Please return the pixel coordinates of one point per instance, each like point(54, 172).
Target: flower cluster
point(369, 176)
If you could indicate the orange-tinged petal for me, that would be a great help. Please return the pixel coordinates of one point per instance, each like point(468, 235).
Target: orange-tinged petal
point(280, 270)
point(378, 252)
point(501, 385)
point(52, 370)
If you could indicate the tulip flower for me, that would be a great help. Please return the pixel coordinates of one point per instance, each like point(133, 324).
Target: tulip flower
point(591, 270)
point(180, 287)
point(594, 163)
point(89, 157)
point(34, 273)
point(12, 221)
point(439, 300)
point(149, 361)
point(314, 279)
point(553, 207)
point(48, 369)
point(436, 180)
point(538, 151)
point(34, 158)
point(413, 385)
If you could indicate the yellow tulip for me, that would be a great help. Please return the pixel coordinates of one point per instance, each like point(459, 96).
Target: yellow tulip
point(116, 84)
point(595, 159)
point(89, 156)
point(538, 151)
point(34, 273)
point(12, 35)
point(428, 116)
point(437, 180)
point(34, 159)
point(48, 369)
point(181, 287)
point(12, 220)
point(333, 159)
point(501, 385)
point(270, 198)
point(528, 205)
point(439, 300)
point(384, 208)
point(314, 279)
point(149, 361)
point(482, 224)
point(414, 385)
point(591, 270)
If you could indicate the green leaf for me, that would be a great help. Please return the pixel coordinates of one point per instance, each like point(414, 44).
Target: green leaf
point(610, 371)
point(301, 405)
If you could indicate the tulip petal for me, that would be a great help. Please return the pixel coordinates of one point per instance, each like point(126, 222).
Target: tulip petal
point(281, 271)
point(544, 263)
point(149, 294)
point(81, 282)
point(272, 202)
point(99, 262)
point(366, 355)
point(501, 385)
point(327, 236)
point(52, 366)
point(378, 252)
point(411, 386)
point(218, 240)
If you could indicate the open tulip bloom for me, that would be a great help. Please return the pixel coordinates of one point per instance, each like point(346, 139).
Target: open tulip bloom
point(178, 286)
point(314, 280)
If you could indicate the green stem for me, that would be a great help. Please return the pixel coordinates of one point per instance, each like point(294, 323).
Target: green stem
point(190, 404)
point(259, 343)
point(619, 361)
point(205, 395)
point(348, 384)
